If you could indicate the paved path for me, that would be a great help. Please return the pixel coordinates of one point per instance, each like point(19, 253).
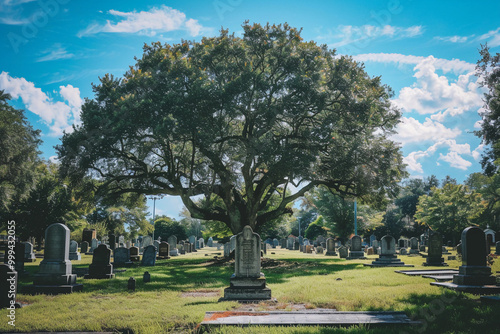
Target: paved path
point(305, 318)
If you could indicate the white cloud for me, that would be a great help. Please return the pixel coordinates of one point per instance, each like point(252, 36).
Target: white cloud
point(455, 160)
point(453, 157)
point(55, 53)
point(454, 39)
point(361, 34)
point(434, 94)
point(476, 154)
point(445, 65)
point(492, 37)
point(58, 116)
point(411, 130)
point(156, 20)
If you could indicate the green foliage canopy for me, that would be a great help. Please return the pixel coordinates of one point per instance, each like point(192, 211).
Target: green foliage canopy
point(239, 120)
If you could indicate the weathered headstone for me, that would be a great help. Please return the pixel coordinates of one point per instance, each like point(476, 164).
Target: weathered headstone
point(356, 251)
point(343, 252)
point(330, 247)
point(414, 246)
point(88, 235)
point(73, 251)
point(164, 250)
point(421, 248)
point(84, 247)
point(112, 241)
point(121, 241)
point(8, 288)
point(320, 239)
point(247, 282)
point(387, 257)
point(172, 241)
point(301, 240)
point(435, 251)
point(147, 241)
point(134, 254)
point(227, 249)
point(283, 243)
point(210, 242)
point(403, 251)
point(93, 245)
point(149, 256)
point(369, 251)
point(319, 250)
point(54, 275)
point(289, 243)
point(101, 267)
point(202, 242)
point(474, 275)
point(296, 244)
point(275, 243)
point(375, 245)
point(497, 248)
point(121, 257)
point(29, 255)
point(372, 238)
point(232, 242)
point(131, 284)
point(156, 243)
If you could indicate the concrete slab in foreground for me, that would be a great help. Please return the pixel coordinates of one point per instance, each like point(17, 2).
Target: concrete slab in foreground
point(305, 318)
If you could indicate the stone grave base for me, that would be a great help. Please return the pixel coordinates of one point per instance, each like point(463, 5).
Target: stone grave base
point(305, 318)
point(387, 261)
point(331, 254)
point(434, 272)
point(247, 289)
point(439, 278)
point(174, 252)
point(52, 289)
point(76, 257)
point(474, 289)
point(353, 255)
point(437, 262)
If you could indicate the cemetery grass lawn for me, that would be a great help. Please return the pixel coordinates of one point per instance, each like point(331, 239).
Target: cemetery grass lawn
point(183, 288)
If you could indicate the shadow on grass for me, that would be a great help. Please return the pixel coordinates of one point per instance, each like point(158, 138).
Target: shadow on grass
point(200, 274)
point(451, 312)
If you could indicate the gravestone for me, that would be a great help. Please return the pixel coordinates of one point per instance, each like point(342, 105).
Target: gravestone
point(172, 241)
point(320, 240)
point(403, 251)
point(29, 255)
point(373, 237)
point(156, 243)
point(306, 242)
point(149, 256)
point(192, 240)
point(387, 257)
point(319, 250)
point(121, 241)
point(84, 247)
point(421, 248)
point(263, 247)
point(101, 267)
point(369, 251)
point(301, 240)
point(210, 242)
point(128, 244)
point(283, 243)
point(8, 288)
point(181, 248)
point(330, 247)
point(88, 235)
point(112, 241)
point(275, 243)
point(296, 244)
point(247, 282)
point(309, 249)
point(497, 248)
point(459, 248)
point(147, 241)
point(435, 251)
point(356, 252)
point(54, 275)
point(343, 252)
point(227, 249)
point(121, 257)
point(232, 242)
point(134, 254)
point(474, 275)
point(375, 245)
point(289, 243)
point(414, 246)
point(73, 251)
point(93, 245)
point(164, 250)
point(202, 242)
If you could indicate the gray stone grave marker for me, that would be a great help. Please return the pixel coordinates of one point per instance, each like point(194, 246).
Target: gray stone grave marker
point(121, 257)
point(149, 256)
point(101, 267)
point(73, 251)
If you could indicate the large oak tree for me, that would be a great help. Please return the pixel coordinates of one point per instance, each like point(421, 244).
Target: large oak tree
point(239, 120)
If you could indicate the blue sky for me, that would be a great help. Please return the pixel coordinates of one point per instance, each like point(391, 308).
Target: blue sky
point(53, 50)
